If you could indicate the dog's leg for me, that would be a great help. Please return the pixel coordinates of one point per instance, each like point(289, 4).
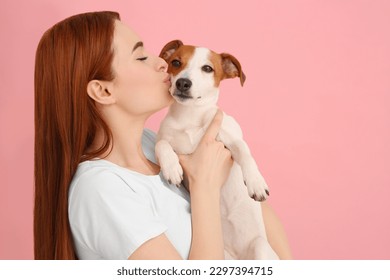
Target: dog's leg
point(169, 162)
point(231, 135)
point(257, 187)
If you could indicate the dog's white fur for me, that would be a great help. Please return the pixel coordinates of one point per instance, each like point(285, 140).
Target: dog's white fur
point(180, 133)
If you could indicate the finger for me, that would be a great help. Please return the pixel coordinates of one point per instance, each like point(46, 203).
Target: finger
point(214, 127)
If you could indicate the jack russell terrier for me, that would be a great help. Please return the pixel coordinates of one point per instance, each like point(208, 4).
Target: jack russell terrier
point(195, 77)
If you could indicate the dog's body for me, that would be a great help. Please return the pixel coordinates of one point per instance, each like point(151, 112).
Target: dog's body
point(196, 74)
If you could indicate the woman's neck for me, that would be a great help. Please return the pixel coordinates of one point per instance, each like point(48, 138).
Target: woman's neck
point(126, 147)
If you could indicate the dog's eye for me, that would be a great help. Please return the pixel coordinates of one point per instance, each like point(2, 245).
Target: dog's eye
point(176, 63)
point(207, 69)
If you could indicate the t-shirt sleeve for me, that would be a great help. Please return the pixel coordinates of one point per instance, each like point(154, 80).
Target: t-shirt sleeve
point(148, 143)
point(110, 217)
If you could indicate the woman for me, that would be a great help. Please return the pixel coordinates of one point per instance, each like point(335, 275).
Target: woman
point(98, 193)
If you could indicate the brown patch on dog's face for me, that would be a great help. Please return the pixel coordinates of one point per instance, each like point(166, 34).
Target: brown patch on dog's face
point(216, 61)
point(179, 59)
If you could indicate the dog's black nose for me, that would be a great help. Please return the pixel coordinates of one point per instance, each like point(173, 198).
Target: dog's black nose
point(183, 84)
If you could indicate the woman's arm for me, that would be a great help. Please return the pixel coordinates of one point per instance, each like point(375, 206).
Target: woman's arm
point(207, 240)
point(276, 234)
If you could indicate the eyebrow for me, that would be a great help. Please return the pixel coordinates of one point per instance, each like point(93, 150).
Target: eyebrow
point(137, 45)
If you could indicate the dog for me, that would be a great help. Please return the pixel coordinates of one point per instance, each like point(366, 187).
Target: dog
point(196, 73)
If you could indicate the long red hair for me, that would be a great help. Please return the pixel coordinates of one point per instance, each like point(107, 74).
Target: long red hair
point(69, 55)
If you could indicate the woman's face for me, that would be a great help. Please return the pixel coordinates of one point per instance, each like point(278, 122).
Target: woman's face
point(141, 84)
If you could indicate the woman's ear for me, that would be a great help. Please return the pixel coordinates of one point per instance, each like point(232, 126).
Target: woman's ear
point(98, 91)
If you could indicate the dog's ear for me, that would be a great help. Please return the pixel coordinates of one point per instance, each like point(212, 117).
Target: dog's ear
point(232, 67)
point(170, 48)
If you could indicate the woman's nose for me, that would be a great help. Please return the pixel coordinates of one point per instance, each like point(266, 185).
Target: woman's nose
point(162, 66)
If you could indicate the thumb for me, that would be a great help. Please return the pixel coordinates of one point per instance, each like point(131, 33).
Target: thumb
point(214, 127)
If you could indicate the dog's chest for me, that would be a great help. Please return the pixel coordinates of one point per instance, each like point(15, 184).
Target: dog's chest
point(186, 140)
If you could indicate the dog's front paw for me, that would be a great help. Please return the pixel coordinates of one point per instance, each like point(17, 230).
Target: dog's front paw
point(257, 187)
point(172, 170)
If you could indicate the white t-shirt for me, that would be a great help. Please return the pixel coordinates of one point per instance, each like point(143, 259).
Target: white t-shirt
point(113, 210)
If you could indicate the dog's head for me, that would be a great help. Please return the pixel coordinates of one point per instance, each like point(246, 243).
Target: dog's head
point(197, 72)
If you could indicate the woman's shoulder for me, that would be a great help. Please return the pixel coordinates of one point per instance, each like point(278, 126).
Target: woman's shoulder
point(97, 175)
point(93, 177)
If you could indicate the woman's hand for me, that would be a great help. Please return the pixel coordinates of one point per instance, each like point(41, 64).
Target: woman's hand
point(209, 166)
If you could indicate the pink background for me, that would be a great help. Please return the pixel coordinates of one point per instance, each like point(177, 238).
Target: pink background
point(315, 109)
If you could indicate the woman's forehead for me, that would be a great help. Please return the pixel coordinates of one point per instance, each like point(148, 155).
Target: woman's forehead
point(125, 35)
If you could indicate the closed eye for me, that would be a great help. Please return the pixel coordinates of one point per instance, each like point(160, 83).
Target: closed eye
point(142, 58)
